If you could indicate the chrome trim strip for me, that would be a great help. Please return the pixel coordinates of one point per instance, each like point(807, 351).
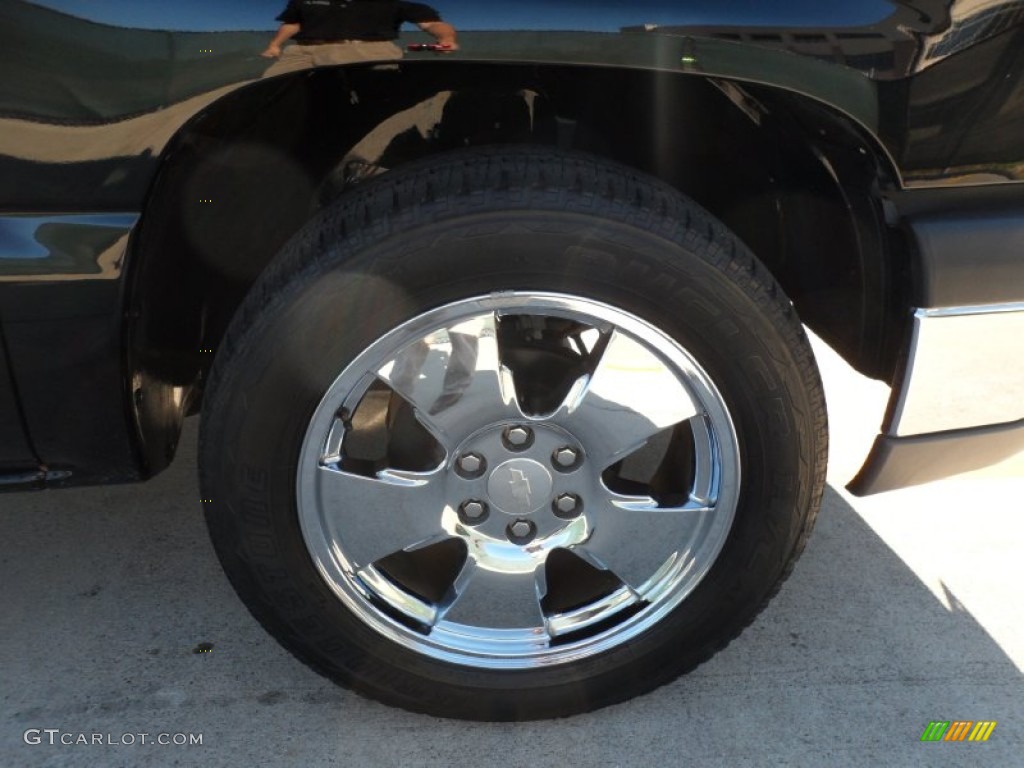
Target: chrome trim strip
point(965, 369)
point(983, 309)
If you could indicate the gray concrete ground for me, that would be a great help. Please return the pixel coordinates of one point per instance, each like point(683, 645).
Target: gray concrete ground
point(905, 608)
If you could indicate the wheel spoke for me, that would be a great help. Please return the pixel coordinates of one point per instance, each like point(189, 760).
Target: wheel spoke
point(633, 537)
point(455, 380)
point(499, 600)
point(374, 517)
point(631, 396)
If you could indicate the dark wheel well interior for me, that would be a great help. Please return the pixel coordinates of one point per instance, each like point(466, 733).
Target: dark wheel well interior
point(799, 183)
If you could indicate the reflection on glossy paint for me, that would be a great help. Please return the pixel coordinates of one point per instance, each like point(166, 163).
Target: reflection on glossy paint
point(131, 74)
point(594, 15)
point(87, 247)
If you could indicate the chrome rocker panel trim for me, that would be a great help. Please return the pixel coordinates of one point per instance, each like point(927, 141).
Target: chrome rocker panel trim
point(964, 370)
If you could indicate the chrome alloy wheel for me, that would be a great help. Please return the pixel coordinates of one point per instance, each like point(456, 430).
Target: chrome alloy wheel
point(575, 476)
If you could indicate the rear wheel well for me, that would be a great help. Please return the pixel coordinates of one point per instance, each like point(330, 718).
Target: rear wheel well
point(797, 182)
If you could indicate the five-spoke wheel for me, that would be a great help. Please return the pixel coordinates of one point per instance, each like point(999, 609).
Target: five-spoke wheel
point(511, 485)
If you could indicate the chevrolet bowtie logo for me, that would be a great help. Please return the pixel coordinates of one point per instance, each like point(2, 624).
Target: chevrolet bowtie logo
point(520, 486)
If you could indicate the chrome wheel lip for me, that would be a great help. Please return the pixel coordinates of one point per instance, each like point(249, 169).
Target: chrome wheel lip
point(361, 589)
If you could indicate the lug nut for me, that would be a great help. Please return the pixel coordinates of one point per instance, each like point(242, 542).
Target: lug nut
point(566, 457)
point(473, 511)
point(471, 463)
point(521, 530)
point(567, 504)
point(518, 437)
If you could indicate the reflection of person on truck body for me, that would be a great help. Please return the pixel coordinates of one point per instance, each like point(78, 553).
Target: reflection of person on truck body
point(329, 32)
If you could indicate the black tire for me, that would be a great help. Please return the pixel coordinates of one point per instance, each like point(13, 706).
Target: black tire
point(487, 223)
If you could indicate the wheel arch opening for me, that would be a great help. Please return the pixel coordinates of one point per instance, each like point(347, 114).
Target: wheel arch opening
point(797, 181)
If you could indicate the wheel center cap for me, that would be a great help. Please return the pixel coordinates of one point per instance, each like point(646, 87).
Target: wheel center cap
point(520, 486)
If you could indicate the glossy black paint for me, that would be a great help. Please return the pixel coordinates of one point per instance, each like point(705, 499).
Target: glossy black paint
point(961, 120)
point(937, 81)
point(65, 350)
point(147, 109)
point(16, 454)
point(60, 290)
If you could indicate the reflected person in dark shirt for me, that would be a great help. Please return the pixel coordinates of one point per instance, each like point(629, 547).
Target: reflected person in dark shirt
point(327, 32)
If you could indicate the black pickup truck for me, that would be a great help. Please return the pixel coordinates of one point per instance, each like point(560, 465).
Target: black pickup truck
point(507, 408)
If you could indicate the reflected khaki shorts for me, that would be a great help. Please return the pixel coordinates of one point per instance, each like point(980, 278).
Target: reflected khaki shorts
point(298, 57)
